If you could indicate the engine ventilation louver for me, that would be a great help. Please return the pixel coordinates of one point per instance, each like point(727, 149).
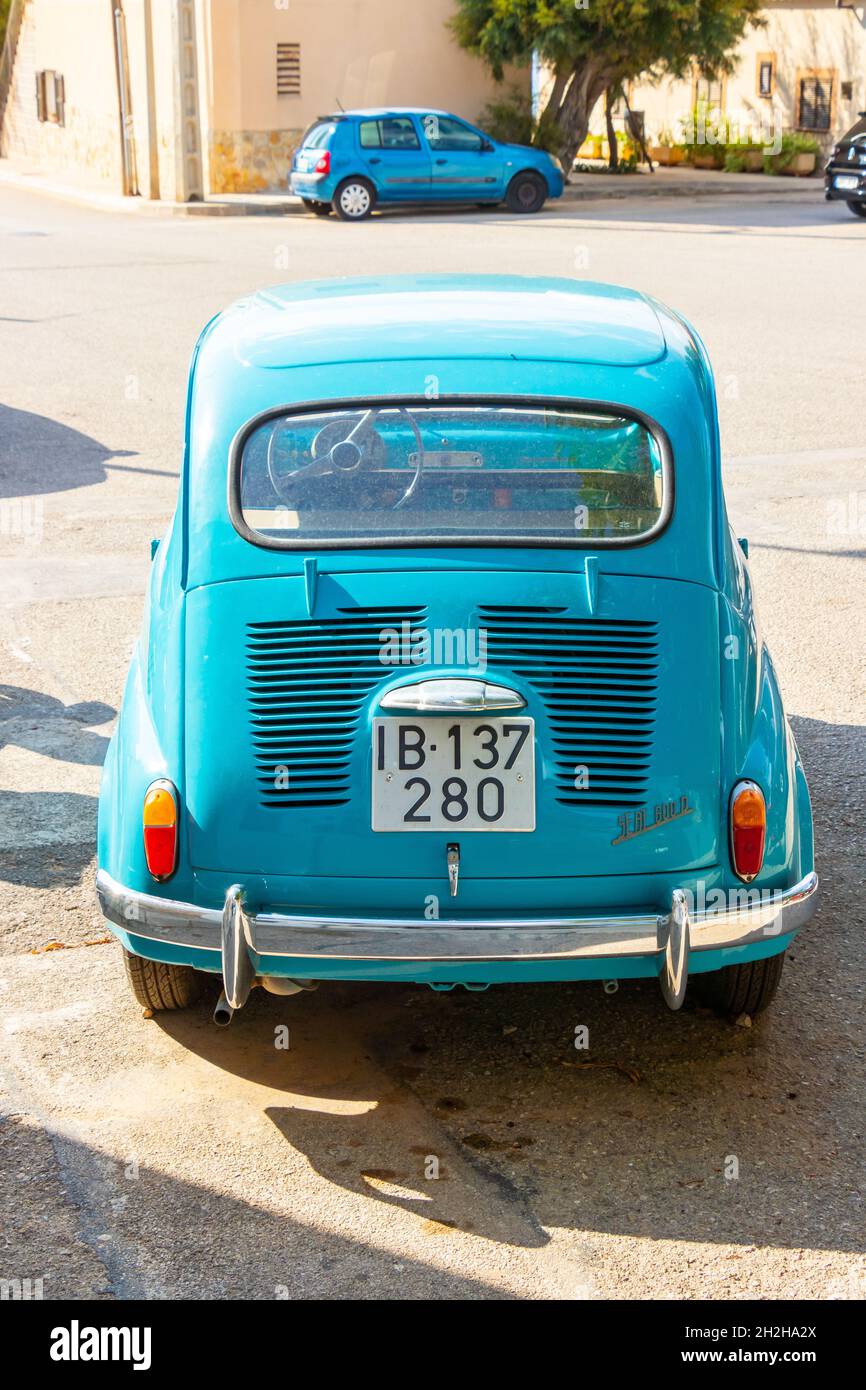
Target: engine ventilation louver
point(307, 680)
point(597, 679)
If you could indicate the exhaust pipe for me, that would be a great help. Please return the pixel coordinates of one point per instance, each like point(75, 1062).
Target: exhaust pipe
point(281, 984)
point(223, 1013)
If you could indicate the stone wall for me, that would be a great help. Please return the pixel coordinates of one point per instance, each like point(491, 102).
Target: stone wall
point(251, 161)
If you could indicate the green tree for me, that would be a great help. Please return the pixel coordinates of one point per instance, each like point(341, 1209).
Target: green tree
point(593, 45)
point(5, 6)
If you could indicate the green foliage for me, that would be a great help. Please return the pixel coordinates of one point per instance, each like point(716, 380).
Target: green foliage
point(596, 45)
point(5, 6)
point(625, 166)
point(793, 143)
point(510, 119)
point(623, 36)
point(706, 136)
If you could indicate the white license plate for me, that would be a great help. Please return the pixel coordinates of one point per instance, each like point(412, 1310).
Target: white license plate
point(454, 774)
point(846, 181)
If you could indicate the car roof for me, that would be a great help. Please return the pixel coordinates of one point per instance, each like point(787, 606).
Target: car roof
point(451, 337)
point(375, 111)
point(446, 316)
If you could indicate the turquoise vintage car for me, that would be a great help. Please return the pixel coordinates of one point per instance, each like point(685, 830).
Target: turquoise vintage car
point(450, 670)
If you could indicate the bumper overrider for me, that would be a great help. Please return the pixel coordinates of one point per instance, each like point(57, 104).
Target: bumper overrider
point(244, 936)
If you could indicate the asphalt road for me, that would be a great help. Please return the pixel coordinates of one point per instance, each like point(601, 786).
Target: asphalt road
point(165, 1157)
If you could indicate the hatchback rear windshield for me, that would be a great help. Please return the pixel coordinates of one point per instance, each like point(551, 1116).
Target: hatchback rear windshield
point(317, 136)
point(450, 474)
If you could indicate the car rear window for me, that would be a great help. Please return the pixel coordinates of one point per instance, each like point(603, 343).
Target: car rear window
point(451, 474)
point(317, 136)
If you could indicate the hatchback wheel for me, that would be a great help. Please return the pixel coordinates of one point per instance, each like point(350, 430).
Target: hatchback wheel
point(858, 209)
point(526, 193)
point(740, 989)
point(159, 986)
point(354, 200)
point(313, 205)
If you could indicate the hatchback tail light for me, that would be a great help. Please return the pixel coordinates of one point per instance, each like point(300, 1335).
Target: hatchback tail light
point(323, 163)
point(748, 829)
point(159, 823)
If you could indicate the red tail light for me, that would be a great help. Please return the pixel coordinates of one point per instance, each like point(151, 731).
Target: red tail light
point(323, 166)
point(159, 823)
point(748, 829)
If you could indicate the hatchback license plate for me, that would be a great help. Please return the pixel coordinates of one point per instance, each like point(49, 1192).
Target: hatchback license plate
point(846, 181)
point(445, 774)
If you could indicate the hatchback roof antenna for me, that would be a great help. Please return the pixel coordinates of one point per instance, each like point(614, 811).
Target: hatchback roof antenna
point(340, 104)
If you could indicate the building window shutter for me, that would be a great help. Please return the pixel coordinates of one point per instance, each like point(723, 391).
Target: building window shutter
point(60, 98)
point(815, 102)
point(41, 114)
point(288, 69)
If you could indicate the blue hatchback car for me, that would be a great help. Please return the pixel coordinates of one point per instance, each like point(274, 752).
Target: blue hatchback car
point(450, 669)
point(354, 160)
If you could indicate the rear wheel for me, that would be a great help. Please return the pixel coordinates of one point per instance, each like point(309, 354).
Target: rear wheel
point(159, 986)
point(313, 205)
point(740, 989)
point(354, 200)
point(526, 193)
point(858, 209)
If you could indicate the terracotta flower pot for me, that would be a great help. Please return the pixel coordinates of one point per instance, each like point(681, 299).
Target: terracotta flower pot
point(753, 162)
point(801, 165)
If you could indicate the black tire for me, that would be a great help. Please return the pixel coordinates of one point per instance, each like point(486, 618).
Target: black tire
point(526, 192)
point(349, 201)
point(858, 209)
point(320, 209)
point(158, 986)
point(740, 989)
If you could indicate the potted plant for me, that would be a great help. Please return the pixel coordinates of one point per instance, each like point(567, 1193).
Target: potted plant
point(667, 151)
point(743, 158)
point(803, 158)
point(704, 145)
point(797, 156)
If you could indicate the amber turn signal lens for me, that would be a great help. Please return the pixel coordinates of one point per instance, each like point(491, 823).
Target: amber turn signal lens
point(748, 829)
point(159, 822)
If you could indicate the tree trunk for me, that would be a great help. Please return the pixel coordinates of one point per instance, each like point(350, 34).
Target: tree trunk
point(588, 82)
point(554, 100)
point(612, 149)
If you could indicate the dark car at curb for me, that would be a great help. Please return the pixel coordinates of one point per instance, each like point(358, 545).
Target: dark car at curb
point(845, 172)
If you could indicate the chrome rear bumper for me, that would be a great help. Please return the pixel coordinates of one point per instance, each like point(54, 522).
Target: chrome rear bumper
point(751, 917)
point(244, 938)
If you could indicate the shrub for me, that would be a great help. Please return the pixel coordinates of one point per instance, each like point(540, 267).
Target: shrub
point(510, 119)
point(793, 143)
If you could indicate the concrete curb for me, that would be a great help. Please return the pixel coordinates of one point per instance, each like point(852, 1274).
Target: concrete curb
point(263, 206)
point(587, 188)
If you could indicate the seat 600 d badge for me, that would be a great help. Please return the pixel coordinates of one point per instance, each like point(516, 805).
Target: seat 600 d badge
point(632, 823)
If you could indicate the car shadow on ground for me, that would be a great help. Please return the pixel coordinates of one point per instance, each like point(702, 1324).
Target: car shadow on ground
point(46, 837)
point(174, 1239)
point(683, 1127)
point(39, 455)
point(45, 725)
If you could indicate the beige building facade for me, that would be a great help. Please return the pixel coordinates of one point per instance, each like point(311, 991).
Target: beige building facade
point(805, 70)
point(181, 98)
